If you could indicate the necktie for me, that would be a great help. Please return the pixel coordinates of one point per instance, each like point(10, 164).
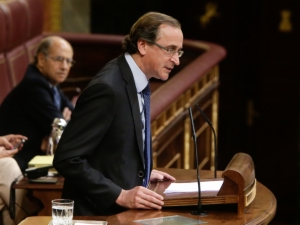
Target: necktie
point(146, 95)
point(56, 97)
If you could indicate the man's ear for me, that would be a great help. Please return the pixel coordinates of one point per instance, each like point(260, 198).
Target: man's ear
point(142, 46)
point(41, 59)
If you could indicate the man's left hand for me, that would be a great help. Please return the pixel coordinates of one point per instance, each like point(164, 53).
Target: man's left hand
point(8, 141)
point(159, 175)
point(67, 114)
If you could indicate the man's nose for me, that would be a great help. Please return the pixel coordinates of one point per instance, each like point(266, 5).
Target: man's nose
point(175, 59)
point(65, 64)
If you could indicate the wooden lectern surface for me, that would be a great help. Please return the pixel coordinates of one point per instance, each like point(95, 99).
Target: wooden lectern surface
point(260, 211)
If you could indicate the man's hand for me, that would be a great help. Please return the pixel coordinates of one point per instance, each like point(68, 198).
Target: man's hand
point(44, 144)
point(140, 198)
point(7, 153)
point(9, 141)
point(159, 175)
point(67, 114)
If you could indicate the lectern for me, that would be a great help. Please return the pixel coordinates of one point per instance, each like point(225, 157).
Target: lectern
point(239, 182)
point(239, 187)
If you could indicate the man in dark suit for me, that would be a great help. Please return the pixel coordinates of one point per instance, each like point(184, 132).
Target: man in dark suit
point(31, 107)
point(105, 151)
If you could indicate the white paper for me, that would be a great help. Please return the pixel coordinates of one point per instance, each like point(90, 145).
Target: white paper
point(78, 223)
point(92, 222)
point(193, 186)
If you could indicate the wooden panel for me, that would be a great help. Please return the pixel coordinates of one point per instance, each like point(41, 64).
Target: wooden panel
point(52, 15)
point(172, 132)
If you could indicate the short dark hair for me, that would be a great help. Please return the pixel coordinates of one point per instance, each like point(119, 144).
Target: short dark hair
point(43, 47)
point(146, 27)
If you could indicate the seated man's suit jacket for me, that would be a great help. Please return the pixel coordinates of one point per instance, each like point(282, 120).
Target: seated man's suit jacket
point(29, 110)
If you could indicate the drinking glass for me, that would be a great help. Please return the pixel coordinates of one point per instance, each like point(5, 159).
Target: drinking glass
point(62, 211)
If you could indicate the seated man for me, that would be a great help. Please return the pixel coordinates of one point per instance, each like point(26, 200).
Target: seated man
point(9, 171)
point(36, 101)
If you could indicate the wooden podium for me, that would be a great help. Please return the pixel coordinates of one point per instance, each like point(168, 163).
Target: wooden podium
point(239, 189)
point(239, 186)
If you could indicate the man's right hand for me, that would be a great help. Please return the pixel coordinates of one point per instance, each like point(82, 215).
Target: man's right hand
point(140, 198)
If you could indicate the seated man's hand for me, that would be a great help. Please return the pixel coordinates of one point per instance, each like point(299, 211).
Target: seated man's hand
point(7, 153)
point(140, 198)
point(67, 114)
point(44, 144)
point(9, 141)
point(159, 175)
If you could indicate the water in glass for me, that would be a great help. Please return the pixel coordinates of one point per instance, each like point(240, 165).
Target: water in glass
point(62, 213)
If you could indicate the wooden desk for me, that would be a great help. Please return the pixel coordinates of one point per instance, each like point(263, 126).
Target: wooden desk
point(45, 192)
point(260, 211)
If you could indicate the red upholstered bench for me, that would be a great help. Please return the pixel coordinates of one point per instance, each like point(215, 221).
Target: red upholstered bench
point(21, 27)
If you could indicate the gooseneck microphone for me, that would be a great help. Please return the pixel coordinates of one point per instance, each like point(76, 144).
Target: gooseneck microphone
point(199, 210)
point(215, 137)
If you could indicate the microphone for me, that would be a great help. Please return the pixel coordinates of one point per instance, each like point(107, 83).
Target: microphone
point(199, 210)
point(215, 138)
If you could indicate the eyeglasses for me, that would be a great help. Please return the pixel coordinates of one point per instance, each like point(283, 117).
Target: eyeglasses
point(170, 50)
point(61, 59)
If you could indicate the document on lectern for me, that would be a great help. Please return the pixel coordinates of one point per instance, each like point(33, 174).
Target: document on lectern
point(193, 186)
point(167, 220)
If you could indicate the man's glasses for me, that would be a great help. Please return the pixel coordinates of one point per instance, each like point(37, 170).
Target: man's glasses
point(61, 59)
point(169, 50)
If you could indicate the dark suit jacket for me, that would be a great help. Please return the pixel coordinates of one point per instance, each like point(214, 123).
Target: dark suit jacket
point(29, 110)
point(101, 149)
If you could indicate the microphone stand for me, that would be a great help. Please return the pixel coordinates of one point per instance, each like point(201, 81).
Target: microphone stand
point(215, 138)
point(199, 210)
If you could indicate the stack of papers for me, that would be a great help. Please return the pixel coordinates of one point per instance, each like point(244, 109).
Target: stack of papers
point(41, 160)
point(193, 186)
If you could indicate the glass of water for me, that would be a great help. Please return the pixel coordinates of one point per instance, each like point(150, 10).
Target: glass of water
point(62, 211)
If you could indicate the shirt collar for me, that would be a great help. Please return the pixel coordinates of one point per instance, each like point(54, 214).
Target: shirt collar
point(139, 77)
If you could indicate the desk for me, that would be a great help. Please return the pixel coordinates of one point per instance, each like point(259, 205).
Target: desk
point(45, 192)
point(260, 211)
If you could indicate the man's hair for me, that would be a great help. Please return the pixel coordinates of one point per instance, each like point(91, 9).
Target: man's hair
point(147, 28)
point(43, 47)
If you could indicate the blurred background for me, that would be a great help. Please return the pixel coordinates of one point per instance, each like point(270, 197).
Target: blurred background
point(259, 78)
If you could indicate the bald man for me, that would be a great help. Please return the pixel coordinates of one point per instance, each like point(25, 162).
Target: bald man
point(30, 108)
